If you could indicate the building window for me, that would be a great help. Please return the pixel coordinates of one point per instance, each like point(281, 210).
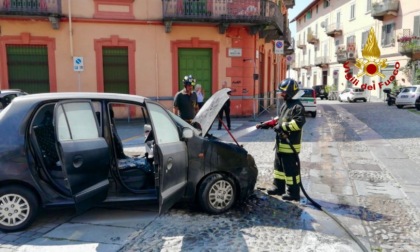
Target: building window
point(416, 28)
point(309, 14)
point(326, 3)
point(369, 6)
point(365, 35)
point(352, 11)
point(388, 31)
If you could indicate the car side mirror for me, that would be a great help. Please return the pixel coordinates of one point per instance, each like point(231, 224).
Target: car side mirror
point(187, 133)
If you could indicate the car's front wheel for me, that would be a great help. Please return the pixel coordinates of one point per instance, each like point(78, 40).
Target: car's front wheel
point(313, 114)
point(217, 194)
point(18, 208)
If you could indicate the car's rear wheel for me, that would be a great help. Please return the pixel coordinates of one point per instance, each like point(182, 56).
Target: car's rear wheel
point(400, 106)
point(348, 99)
point(313, 114)
point(18, 208)
point(217, 194)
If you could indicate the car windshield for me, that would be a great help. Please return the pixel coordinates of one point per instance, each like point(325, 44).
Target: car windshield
point(183, 123)
point(408, 90)
point(308, 93)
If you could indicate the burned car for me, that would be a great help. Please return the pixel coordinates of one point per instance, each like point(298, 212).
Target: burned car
point(85, 149)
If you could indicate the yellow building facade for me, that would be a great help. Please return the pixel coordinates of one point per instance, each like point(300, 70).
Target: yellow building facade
point(145, 47)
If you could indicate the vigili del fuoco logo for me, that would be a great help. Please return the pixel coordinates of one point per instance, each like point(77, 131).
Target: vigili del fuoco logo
point(370, 65)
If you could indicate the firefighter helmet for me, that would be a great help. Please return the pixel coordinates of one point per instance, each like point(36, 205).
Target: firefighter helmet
point(290, 87)
point(189, 80)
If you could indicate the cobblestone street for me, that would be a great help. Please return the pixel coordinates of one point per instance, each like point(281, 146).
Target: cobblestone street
point(345, 168)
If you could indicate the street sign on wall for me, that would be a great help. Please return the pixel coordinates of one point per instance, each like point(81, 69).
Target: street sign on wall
point(278, 47)
point(78, 64)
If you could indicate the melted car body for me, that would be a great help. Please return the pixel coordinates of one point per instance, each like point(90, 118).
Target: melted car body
point(81, 149)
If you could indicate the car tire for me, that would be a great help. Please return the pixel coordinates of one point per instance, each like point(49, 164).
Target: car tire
point(348, 99)
point(418, 107)
point(364, 100)
point(18, 204)
point(400, 106)
point(313, 114)
point(217, 194)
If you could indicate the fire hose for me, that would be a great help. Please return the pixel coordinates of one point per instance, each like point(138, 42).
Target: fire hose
point(270, 124)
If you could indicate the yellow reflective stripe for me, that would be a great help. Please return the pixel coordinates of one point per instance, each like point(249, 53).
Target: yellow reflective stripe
point(289, 180)
point(283, 125)
point(285, 148)
point(279, 175)
point(293, 125)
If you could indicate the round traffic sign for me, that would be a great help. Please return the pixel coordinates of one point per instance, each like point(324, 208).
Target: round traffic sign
point(279, 44)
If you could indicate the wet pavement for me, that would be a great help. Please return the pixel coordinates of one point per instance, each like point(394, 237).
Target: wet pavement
point(352, 165)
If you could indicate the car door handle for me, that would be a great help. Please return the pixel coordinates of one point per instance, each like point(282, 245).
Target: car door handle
point(169, 164)
point(77, 161)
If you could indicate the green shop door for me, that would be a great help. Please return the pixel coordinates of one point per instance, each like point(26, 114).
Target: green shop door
point(196, 62)
point(28, 68)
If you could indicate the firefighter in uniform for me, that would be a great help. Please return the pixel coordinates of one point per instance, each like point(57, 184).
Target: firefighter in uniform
point(288, 127)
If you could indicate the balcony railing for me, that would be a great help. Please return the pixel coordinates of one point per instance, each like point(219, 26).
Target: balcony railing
point(334, 30)
point(255, 13)
point(322, 61)
point(300, 44)
point(31, 8)
point(312, 38)
point(382, 8)
point(289, 3)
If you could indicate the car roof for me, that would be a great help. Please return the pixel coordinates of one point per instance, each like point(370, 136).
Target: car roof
point(79, 95)
point(9, 91)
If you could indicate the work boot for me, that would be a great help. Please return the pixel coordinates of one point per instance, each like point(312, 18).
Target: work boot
point(289, 197)
point(293, 193)
point(278, 187)
point(275, 191)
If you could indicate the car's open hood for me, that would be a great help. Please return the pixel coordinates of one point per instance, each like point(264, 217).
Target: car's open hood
point(208, 113)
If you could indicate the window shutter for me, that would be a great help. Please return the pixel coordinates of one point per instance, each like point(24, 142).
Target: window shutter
point(416, 30)
point(364, 37)
point(383, 34)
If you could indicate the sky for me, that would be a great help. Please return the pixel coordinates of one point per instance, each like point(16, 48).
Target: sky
point(299, 6)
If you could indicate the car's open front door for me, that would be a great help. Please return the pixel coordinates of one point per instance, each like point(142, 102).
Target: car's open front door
point(171, 157)
point(83, 153)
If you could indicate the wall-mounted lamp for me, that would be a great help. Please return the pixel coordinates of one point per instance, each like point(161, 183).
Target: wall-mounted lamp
point(55, 22)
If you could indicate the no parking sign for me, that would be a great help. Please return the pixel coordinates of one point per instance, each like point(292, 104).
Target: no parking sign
point(278, 46)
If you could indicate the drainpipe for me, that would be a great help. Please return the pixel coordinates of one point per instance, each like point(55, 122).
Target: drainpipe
point(70, 30)
point(157, 76)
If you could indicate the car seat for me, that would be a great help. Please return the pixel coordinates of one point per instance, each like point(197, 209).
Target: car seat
point(46, 140)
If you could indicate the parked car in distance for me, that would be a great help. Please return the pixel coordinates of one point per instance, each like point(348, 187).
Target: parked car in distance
point(321, 91)
point(308, 100)
point(353, 95)
point(7, 95)
point(408, 96)
point(82, 149)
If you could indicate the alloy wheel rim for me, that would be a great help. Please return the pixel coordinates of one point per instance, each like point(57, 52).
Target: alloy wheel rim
point(221, 194)
point(14, 210)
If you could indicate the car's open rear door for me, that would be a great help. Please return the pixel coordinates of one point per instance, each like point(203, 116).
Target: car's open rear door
point(171, 157)
point(83, 153)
